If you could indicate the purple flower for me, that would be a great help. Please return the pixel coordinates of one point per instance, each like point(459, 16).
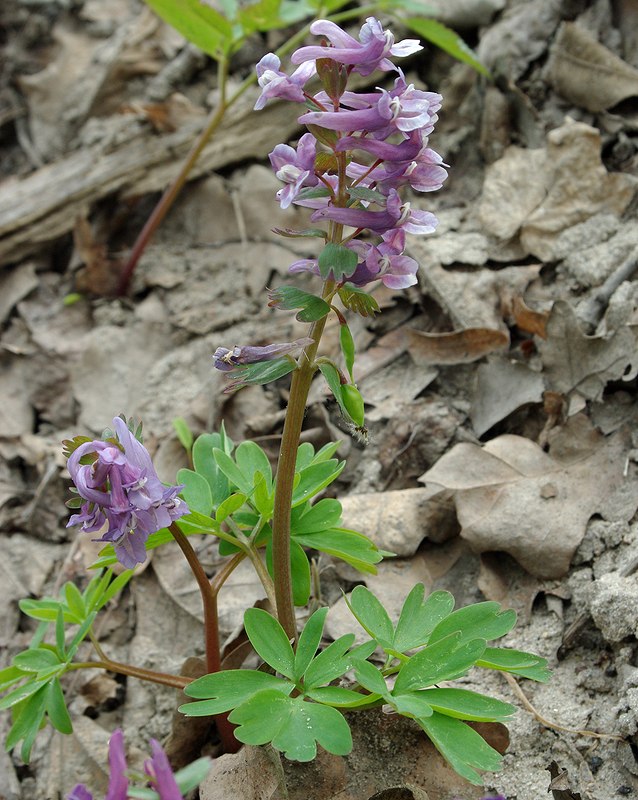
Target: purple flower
point(294, 167)
point(404, 151)
point(385, 261)
point(275, 83)
point(161, 774)
point(425, 173)
point(118, 781)
point(157, 768)
point(122, 490)
point(364, 56)
point(227, 360)
point(403, 109)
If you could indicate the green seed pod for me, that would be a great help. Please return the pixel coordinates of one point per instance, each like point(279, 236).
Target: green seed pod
point(353, 403)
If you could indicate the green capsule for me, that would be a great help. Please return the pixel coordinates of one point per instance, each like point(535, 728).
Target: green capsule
point(353, 403)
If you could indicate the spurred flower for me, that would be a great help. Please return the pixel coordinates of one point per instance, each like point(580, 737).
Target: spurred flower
point(294, 167)
point(227, 360)
point(371, 52)
point(275, 83)
point(122, 490)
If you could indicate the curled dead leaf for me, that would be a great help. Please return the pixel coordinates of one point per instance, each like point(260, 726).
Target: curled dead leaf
point(528, 320)
point(586, 73)
point(457, 347)
point(511, 496)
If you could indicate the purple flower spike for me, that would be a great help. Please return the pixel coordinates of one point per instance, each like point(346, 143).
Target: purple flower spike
point(226, 360)
point(275, 83)
point(122, 490)
point(294, 167)
point(364, 56)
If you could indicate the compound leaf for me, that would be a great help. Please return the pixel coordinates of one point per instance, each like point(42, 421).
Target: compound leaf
point(222, 691)
point(292, 725)
point(419, 618)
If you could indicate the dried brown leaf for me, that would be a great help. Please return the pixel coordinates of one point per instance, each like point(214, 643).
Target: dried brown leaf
point(528, 320)
point(457, 347)
point(512, 496)
point(576, 362)
point(586, 73)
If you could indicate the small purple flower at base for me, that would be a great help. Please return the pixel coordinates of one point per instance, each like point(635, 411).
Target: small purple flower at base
point(275, 83)
point(161, 776)
point(122, 490)
point(227, 360)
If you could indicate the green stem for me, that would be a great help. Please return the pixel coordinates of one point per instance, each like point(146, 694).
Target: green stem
point(299, 388)
point(209, 600)
point(164, 678)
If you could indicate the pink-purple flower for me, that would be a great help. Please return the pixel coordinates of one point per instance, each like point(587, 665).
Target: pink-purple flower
point(157, 768)
point(118, 482)
point(275, 83)
point(294, 167)
point(371, 52)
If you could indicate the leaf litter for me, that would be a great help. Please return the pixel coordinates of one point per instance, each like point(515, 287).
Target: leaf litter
point(494, 381)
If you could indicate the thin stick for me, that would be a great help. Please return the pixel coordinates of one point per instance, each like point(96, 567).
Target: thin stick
point(553, 725)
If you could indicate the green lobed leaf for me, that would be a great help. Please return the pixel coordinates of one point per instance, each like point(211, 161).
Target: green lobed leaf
point(371, 615)
point(9, 676)
point(419, 618)
point(45, 609)
point(292, 725)
point(477, 621)
point(222, 691)
point(113, 588)
point(36, 660)
point(56, 708)
point(196, 491)
point(314, 478)
point(371, 679)
point(263, 498)
point(357, 300)
point(338, 697)
point(27, 722)
point(230, 506)
point(205, 464)
point(412, 704)
point(234, 474)
point(74, 600)
point(21, 693)
point(338, 261)
point(464, 704)
point(320, 516)
point(461, 746)
point(251, 459)
point(350, 546)
point(527, 665)
point(331, 663)
point(312, 307)
point(184, 433)
point(447, 40)
point(444, 660)
point(60, 638)
point(309, 641)
point(79, 637)
point(270, 641)
point(198, 22)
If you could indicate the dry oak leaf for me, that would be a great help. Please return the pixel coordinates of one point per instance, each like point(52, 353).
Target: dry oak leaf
point(512, 496)
point(575, 361)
